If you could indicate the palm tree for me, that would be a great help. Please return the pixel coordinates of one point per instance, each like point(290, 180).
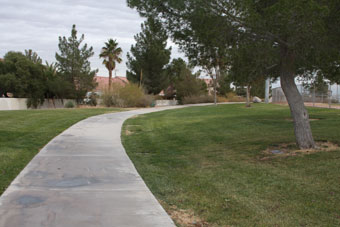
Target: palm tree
point(111, 54)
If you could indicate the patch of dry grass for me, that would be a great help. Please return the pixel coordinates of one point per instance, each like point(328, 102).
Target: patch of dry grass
point(290, 149)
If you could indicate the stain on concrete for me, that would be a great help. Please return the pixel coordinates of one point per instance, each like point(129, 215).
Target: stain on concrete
point(38, 174)
point(66, 135)
point(73, 182)
point(29, 200)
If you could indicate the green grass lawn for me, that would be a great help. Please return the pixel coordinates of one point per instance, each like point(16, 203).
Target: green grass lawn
point(24, 132)
point(210, 160)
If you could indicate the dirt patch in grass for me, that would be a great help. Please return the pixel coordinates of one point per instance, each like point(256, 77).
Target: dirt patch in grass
point(131, 129)
point(128, 133)
point(137, 116)
point(185, 218)
point(290, 149)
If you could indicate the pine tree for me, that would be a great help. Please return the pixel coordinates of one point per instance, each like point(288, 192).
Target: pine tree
point(149, 57)
point(73, 63)
point(33, 56)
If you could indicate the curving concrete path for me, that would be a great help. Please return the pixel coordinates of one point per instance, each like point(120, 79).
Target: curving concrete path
point(83, 178)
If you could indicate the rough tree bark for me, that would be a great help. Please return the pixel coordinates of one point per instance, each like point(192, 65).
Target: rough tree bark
point(110, 79)
point(302, 129)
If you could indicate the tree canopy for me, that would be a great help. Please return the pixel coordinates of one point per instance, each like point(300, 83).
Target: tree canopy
point(26, 78)
point(182, 81)
point(299, 36)
point(149, 57)
point(111, 54)
point(23, 78)
point(73, 63)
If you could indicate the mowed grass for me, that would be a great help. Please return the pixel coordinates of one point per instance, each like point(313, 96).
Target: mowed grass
point(23, 133)
point(210, 160)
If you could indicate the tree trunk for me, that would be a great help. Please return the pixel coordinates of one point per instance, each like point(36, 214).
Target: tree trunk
point(217, 77)
point(110, 79)
point(215, 96)
point(215, 89)
point(248, 96)
point(267, 85)
point(303, 132)
point(141, 78)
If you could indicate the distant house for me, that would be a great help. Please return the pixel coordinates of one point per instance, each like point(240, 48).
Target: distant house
point(210, 85)
point(103, 82)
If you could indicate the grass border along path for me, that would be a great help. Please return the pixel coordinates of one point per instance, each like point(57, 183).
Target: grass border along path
point(24, 132)
point(210, 163)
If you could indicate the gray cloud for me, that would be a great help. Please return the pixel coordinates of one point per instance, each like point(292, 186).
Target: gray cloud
point(37, 24)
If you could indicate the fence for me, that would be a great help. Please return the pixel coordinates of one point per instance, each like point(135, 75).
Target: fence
point(310, 95)
point(20, 103)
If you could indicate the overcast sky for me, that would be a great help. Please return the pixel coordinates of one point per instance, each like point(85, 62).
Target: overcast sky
point(37, 24)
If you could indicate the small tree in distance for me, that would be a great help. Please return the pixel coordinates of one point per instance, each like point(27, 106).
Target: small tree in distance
point(111, 54)
point(149, 57)
point(74, 65)
point(183, 82)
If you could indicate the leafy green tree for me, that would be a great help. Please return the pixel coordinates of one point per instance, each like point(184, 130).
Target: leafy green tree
point(175, 70)
point(224, 83)
point(2, 66)
point(258, 88)
point(320, 84)
point(330, 67)
point(189, 85)
point(23, 78)
point(57, 86)
point(149, 57)
point(27, 78)
point(301, 34)
point(74, 65)
point(183, 82)
point(111, 54)
point(5, 80)
point(7, 83)
point(247, 68)
point(208, 47)
point(315, 83)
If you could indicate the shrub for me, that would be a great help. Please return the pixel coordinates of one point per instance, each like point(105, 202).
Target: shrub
point(232, 97)
point(69, 104)
point(222, 99)
point(198, 99)
point(130, 95)
point(34, 103)
point(92, 99)
point(159, 97)
point(190, 86)
point(110, 97)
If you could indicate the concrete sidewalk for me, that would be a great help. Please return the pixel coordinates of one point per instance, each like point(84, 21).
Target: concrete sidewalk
point(82, 178)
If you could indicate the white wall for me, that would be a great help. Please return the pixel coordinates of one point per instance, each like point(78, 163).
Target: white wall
point(20, 103)
point(166, 102)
